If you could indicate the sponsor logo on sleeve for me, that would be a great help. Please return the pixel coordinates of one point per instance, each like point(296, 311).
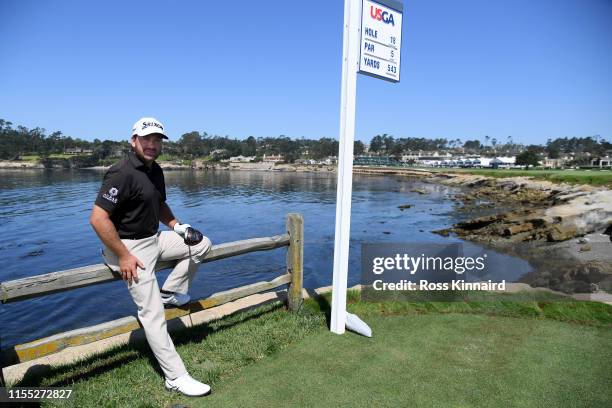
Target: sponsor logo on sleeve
point(111, 195)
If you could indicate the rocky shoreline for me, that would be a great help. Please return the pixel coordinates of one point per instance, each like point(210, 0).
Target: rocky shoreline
point(563, 230)
point(12, 164)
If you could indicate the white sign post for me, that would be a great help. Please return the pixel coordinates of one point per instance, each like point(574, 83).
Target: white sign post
point(375, 27)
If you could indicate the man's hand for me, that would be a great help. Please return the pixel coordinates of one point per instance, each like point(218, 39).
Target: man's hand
point(128, 266)
point(190, 235)
point(181, 229)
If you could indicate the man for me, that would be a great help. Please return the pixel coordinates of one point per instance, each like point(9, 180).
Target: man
point(126, 216)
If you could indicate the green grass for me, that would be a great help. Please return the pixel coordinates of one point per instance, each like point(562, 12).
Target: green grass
point(30, 157)
point(64, 156)
point(205, 158)
point(480, 353)
point(36, 157)
point(433, 361)
point(593, 177)
point(165, 158)
point(129, 376)
point(173, 159)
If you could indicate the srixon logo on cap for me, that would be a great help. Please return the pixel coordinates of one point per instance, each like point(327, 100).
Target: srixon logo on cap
point(380, 15)
point(148, 124)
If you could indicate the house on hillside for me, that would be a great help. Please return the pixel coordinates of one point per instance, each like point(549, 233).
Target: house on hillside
point(273, 158)
point(605, 161)
point(329, 160)
point(77, 150)
point(219, 154)
point(503, 162)
point(241, 159)
point(554, 163)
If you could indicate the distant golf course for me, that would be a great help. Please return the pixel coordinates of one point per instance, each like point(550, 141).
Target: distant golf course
point(594, 177)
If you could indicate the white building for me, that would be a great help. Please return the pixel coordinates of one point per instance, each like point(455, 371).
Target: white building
point(78, 150)
point(503, 162)
point(330, 160)
point(273, 158)
point(241, 159)
point(605, 161)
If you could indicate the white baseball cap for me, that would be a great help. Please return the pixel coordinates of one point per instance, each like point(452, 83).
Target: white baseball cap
point(148, 126)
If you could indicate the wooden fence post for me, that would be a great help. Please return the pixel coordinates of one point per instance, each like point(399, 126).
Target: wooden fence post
point(295, 260)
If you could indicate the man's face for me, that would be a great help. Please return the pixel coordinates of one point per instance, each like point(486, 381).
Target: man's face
point(147, 148)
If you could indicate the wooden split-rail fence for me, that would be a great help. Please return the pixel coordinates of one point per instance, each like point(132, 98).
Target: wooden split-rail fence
point(41, 285)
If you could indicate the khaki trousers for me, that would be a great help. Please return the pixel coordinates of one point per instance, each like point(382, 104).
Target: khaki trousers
point(164, 246)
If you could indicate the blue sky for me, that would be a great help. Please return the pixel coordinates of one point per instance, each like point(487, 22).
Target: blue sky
point(532, 69)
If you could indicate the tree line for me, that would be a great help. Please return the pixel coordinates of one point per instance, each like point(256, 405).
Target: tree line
point(19, 141)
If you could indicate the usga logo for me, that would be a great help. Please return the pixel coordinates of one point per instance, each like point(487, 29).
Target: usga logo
point(379, 14)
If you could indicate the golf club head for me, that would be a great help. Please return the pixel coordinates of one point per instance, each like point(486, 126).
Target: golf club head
point(193, 236)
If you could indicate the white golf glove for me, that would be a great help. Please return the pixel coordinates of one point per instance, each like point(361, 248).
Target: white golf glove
point(181, 229)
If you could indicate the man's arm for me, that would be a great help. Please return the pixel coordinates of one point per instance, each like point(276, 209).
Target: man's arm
point(104, 227)
point(166, 216)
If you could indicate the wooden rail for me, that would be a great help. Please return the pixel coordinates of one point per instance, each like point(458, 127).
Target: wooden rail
point(41, 285)
point(46, 284)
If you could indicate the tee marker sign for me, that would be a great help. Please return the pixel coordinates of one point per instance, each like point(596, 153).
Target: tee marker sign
point(381, 39)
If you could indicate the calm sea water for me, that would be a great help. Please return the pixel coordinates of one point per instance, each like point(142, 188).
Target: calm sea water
point(44, 223)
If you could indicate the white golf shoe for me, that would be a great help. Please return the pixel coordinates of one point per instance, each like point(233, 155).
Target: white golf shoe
point(186, 385)
point(175, 299)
